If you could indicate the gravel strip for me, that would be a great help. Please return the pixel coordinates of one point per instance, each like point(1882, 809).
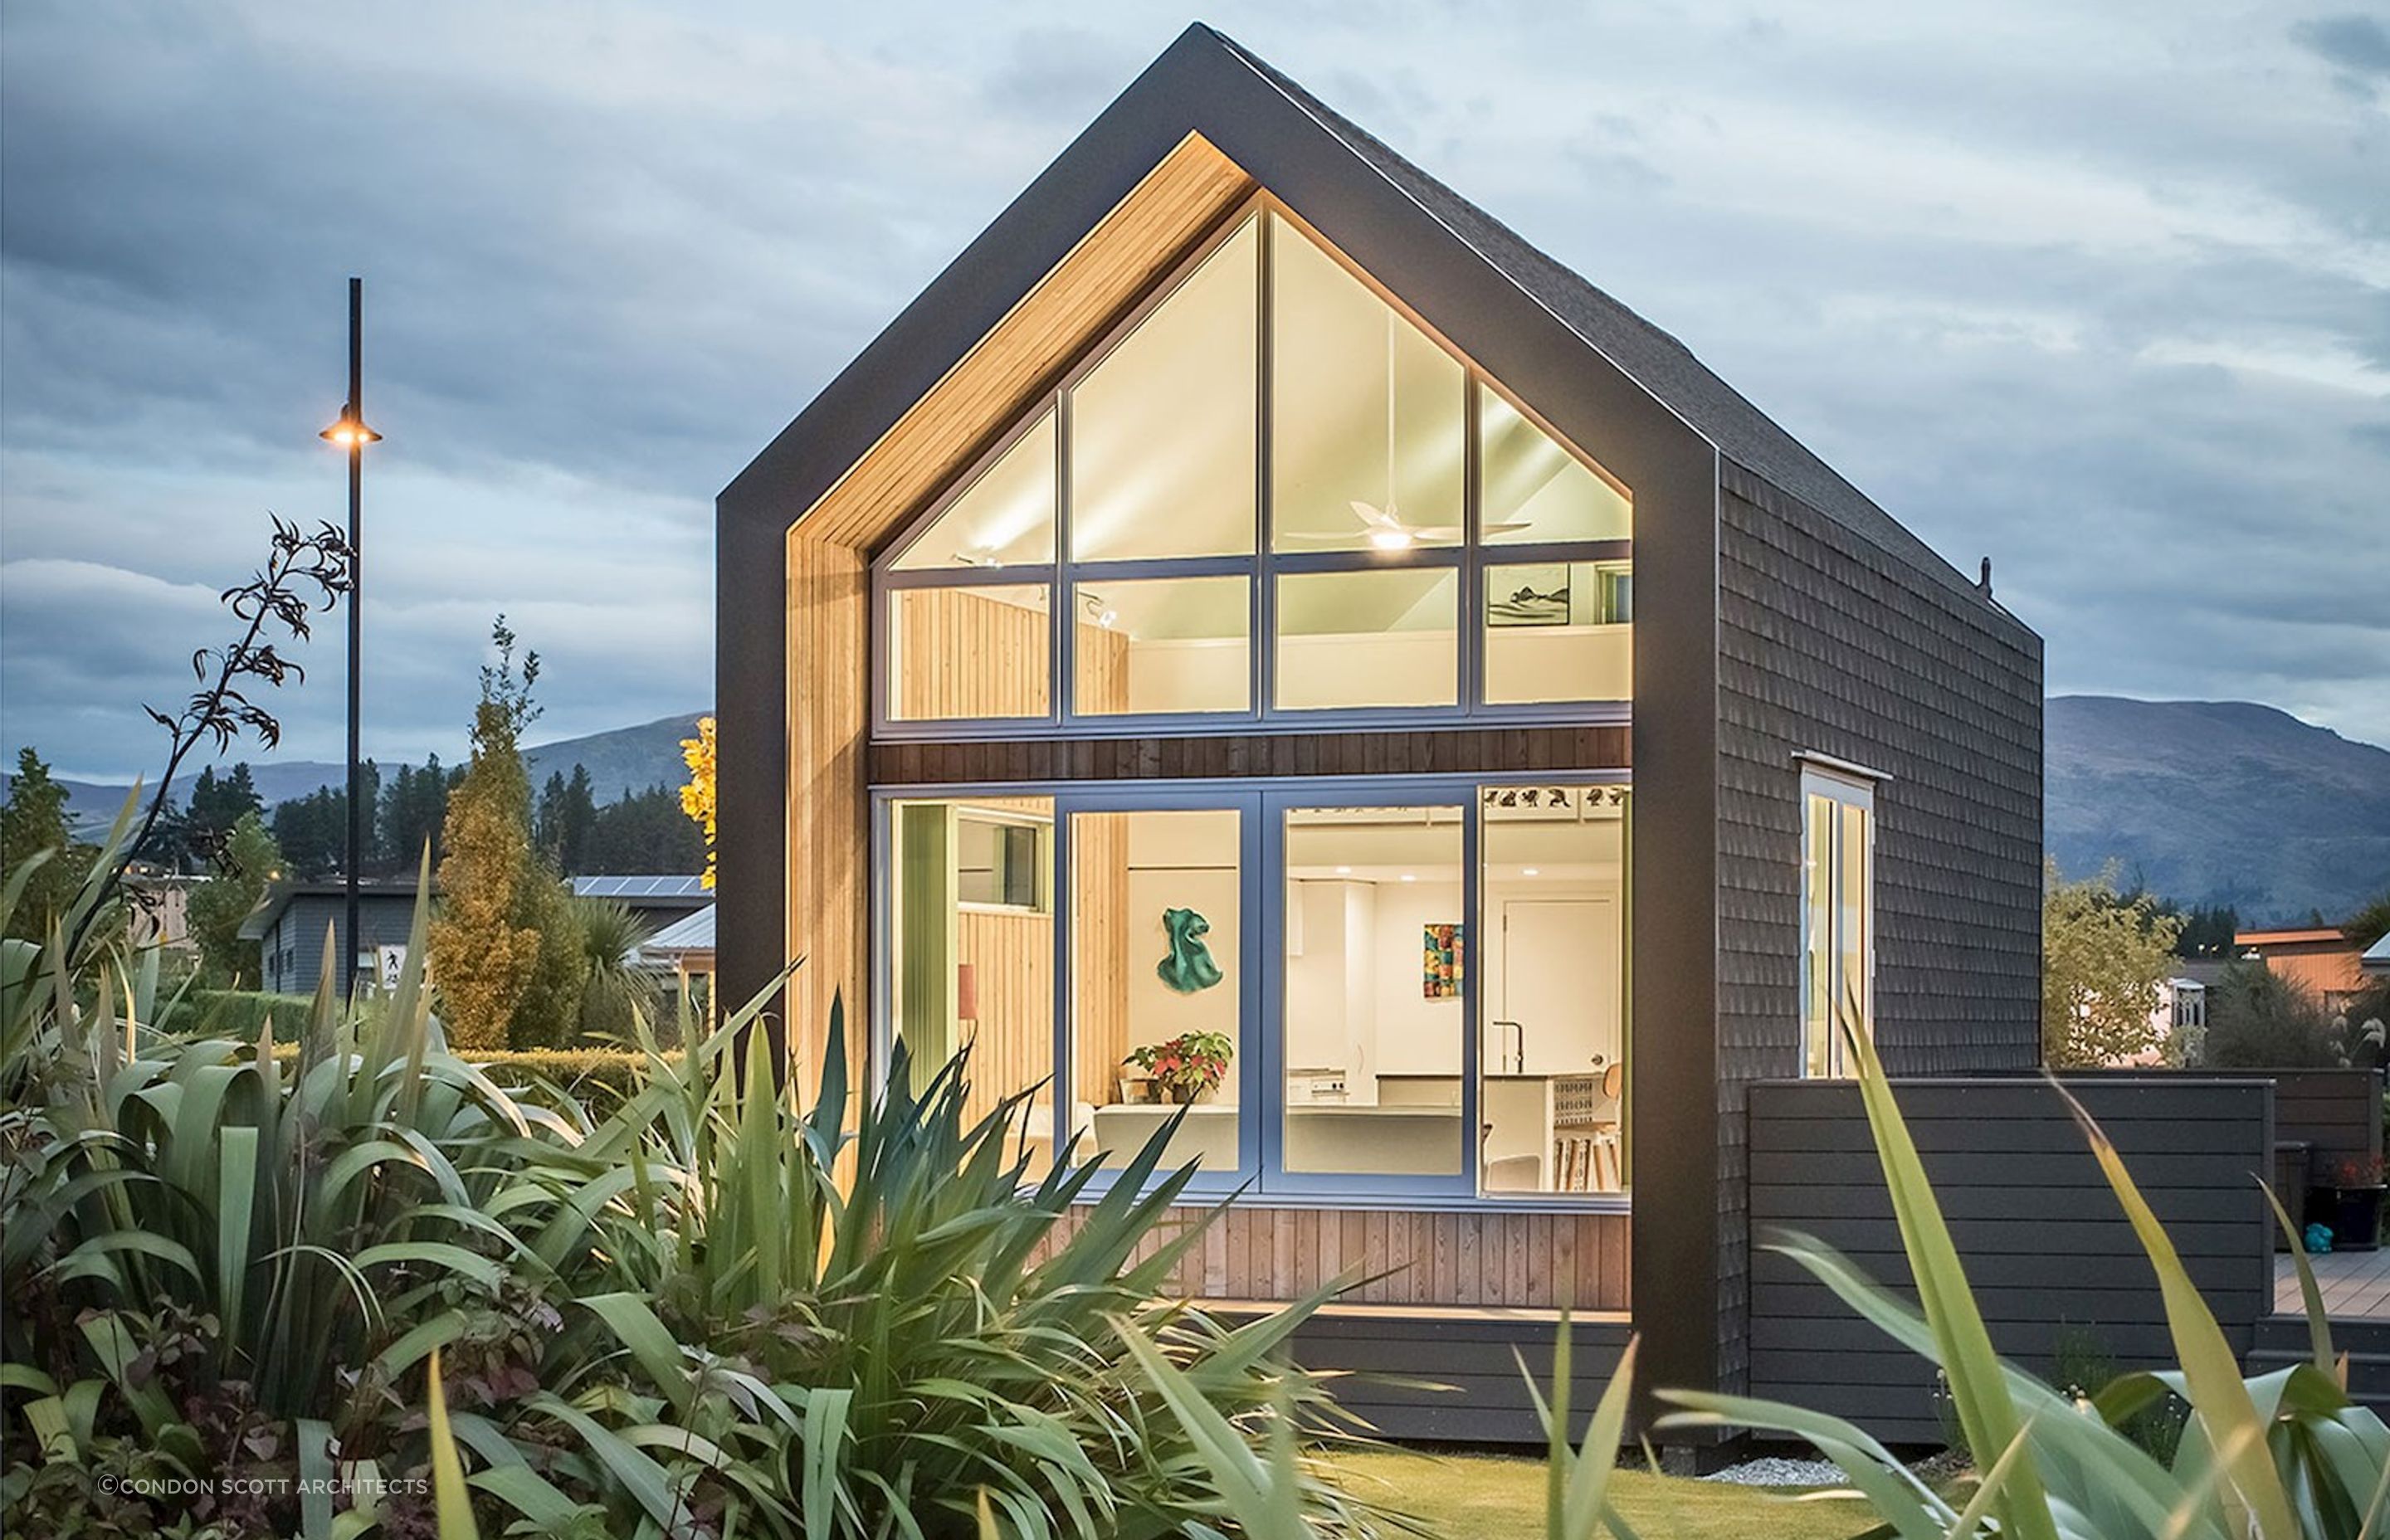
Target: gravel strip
point(1772, 1470)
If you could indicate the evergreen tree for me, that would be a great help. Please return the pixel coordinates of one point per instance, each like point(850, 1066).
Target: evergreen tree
point(646, 831)
point(506, 950)
point(236, 882)
point(35, 820)
point(568, 816)
point(217, 802)
point(412, 811)
point(313, 832)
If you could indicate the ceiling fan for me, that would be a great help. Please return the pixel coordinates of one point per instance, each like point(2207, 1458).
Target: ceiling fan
point(1384, 527)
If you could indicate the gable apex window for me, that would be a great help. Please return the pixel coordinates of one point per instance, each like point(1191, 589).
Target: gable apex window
point(1270, 496)
point(1837, 911)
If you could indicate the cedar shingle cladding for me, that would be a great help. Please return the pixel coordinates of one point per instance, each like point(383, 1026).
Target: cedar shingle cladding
point(1829, 643)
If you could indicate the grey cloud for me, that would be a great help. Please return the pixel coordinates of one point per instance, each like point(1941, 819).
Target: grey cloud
point(2356, 43)
point(2098, 299)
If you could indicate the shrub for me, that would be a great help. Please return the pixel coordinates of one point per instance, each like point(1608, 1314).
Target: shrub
point(2257, 1019)
point(882, 1354)
point(691, 1309)
point(238, 1015)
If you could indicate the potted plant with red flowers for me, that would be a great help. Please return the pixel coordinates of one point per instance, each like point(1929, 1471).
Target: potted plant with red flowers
point(2349, 1197)
point(1186, 1067)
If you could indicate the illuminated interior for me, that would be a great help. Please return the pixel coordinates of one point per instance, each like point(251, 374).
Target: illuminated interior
point(1145, 502)
point(1340, 960)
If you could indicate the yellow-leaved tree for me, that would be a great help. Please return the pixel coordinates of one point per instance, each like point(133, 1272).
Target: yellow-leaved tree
point(696, 797)
point(482, 960)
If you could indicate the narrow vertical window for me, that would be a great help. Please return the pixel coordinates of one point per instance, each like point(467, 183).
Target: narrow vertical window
point(1837, 916)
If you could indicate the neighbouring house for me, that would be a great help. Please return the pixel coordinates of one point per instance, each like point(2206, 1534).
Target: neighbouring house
point(1253, 592)
point(2323, 960)
point(2179, 1016)
point(685, 948)
point(2375, 960)
point(657, 899)
point(292, 923)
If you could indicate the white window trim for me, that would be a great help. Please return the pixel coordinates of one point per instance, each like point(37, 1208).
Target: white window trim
point(1843, 784)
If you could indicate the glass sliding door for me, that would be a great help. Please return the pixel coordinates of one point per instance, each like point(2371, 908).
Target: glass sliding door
point(1556, 1040)
point(1373, 941)
point(1162, 917)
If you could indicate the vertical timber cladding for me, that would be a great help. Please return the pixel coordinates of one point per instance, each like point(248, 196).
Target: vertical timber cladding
point(1466, 1258)
point(1829, 643)
point(797, 529)
point(2053, 1262)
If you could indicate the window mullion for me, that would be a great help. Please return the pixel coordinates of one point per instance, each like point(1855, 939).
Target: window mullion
point(1062, 603)
point(1469, 613)
point(1261, 602)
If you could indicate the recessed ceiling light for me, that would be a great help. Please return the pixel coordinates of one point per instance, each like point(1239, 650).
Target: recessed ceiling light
point(1344, 871)
point(1529, 871)
point(1409, 878)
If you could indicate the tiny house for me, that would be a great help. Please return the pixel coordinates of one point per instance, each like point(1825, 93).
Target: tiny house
point(1256, 632)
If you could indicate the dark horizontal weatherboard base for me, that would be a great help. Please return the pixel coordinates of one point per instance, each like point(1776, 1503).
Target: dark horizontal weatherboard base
point(1506, 750)
point(1454, 1376)
point(2063, 1284)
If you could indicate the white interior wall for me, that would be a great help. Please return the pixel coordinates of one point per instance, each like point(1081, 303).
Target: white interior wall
point(1415, 1035)
point(1183, 861)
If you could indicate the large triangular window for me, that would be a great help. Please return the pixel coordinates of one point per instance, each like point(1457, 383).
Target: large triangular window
point(1272, 494)
point(1004, 516)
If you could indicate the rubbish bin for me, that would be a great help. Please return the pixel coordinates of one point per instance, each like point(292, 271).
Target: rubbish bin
point(2291, 1160)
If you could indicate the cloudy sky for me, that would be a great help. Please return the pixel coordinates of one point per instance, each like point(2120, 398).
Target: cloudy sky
point(2106, 296)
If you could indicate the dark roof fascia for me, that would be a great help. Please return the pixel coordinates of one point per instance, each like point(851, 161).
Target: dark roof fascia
point(976, 290)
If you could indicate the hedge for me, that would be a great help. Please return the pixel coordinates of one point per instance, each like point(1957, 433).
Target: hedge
point(576, 1071)
point(238, 1014)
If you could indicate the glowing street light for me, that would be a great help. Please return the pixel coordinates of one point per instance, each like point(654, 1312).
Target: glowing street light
point(351, 433)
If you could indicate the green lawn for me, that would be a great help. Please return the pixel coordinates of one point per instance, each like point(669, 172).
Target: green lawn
point(1498, 1497)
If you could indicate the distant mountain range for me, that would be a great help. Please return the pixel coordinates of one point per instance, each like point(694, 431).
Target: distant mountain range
point(2218, 802)
point(619, 761)
point(2204, 802)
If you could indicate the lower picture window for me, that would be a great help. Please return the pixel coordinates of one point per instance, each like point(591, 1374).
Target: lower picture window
point(1313, 995)
point(1157, 964)
point(1374, 990)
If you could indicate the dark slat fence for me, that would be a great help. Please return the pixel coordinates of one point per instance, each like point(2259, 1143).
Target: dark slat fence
point(2054, 1262)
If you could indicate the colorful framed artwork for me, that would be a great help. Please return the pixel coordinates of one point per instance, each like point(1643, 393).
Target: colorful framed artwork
point(1440, 963)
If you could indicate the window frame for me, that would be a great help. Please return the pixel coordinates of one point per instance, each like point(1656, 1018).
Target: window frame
point(1841, 785)
point(1260, 803)
point(1262, 566)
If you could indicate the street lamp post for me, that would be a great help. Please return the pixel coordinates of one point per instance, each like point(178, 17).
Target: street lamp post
point(352, 434)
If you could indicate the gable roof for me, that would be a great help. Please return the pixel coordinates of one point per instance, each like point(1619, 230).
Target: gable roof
point(1192, 87)
point(278, 896)
point(1650, 356)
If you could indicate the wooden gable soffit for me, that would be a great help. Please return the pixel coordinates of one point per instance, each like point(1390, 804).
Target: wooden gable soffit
point(1115, 263)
